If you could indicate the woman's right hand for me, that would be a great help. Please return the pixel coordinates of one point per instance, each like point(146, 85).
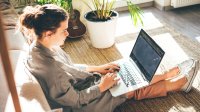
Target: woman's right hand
point(108, 81)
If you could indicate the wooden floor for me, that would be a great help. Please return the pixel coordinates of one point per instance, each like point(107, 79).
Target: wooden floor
point(185, 20)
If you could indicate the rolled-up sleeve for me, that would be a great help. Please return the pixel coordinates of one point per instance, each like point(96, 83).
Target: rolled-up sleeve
point(64, 93)
point(81, 66)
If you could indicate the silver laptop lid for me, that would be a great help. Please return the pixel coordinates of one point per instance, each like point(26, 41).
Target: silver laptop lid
point(146, 54)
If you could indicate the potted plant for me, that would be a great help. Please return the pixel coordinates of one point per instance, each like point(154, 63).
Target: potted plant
point(101, 21)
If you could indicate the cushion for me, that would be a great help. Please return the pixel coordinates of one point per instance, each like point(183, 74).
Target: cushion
point(16, 41)
point(29, 91)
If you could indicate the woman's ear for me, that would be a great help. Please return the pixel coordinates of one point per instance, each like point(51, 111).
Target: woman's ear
point(48, 33)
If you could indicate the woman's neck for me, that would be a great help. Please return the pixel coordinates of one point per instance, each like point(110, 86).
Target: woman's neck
point(46, 44)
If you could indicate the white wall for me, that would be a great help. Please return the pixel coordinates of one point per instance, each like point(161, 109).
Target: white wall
point(122, 3)
point(163, 2)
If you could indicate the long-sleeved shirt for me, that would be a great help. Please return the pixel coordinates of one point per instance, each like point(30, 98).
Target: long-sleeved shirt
point(57, 74)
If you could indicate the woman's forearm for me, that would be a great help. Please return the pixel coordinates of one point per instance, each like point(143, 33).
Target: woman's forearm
point(92, 69)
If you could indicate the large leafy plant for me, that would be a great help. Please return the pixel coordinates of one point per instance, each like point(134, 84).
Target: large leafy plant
point(103, 10)
point(65, 4)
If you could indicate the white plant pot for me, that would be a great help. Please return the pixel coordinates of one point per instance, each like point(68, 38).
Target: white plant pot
point(102, 33)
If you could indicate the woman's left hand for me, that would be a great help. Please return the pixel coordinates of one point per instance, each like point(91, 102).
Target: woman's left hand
point(107, 68)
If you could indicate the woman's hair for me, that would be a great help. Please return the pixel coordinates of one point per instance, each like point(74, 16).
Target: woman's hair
point(40, 19)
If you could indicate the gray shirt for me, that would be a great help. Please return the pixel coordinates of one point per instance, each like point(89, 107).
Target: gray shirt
point(57, 74)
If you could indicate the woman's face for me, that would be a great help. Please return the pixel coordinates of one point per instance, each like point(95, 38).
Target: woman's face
point(58, 38)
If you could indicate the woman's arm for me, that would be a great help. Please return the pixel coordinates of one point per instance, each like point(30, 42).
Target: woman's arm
point(104, 69)
point(64, 92)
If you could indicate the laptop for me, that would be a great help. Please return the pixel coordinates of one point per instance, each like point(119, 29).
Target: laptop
point(138, 69)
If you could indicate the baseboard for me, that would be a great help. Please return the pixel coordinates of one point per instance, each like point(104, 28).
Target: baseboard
point(164, 8)
point(148, 4)
point(142, 5)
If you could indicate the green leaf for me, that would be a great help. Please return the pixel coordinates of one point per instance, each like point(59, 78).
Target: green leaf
point(135, 13)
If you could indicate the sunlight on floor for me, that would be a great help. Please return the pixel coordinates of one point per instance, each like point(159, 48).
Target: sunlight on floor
point(182, 109)
point(198, 39)
point(125, 24)
point(173, 52)
point(125, 48)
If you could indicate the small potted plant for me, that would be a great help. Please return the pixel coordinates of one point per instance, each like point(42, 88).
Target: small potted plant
point(101, 21)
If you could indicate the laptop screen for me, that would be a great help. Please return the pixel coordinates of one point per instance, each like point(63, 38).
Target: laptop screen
point(147, 54)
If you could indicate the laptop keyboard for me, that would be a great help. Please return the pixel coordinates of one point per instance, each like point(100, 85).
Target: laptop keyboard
point(128, 74)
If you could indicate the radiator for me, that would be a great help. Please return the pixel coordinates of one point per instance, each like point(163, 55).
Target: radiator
point(182, 3)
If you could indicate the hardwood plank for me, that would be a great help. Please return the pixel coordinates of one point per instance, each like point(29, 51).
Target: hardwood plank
point(185, 20)
point(82, 52)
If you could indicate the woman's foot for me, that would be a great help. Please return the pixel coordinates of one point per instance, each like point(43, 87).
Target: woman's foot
point(190, 75)
point(186, 66)
point(182, 68)
point(183, 81)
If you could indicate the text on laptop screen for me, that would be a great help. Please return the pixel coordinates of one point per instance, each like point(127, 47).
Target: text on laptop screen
point(147, 55)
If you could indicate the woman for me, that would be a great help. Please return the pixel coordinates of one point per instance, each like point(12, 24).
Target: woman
point(76, 87)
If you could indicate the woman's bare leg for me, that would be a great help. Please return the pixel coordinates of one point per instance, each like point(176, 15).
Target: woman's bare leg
point(171, 73)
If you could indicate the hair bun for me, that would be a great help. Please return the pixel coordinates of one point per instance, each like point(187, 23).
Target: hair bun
point(29, 21)
point(30, 16)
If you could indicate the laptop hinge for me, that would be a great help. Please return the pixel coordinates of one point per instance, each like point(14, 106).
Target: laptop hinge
point(144, 78)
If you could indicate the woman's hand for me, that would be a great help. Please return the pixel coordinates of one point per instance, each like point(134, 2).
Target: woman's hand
point(108, 81)
point(104, 69)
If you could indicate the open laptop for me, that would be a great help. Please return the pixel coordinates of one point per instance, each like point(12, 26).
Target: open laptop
point(138, 70)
